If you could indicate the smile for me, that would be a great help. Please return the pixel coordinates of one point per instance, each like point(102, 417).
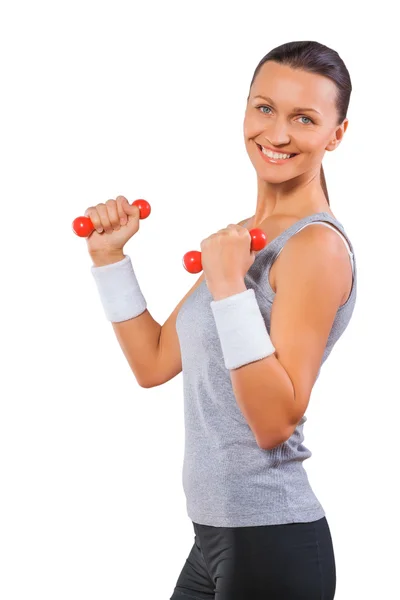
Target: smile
point(274, 157)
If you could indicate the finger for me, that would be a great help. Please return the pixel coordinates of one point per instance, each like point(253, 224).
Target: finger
point(132, 210)
point(94, 216)
point(88, 211)
point(113, 214)
point(121, 201)
point(104, 218)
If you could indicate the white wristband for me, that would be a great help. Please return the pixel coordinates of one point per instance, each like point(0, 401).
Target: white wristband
point(241, 328)
point(119, 290)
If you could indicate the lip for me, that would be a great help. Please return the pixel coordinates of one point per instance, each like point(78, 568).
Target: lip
point(274, 161)
point(275, 150)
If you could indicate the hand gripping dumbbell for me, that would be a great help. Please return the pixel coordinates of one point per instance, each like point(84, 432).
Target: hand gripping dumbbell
point(192, 259)
point(83, 226)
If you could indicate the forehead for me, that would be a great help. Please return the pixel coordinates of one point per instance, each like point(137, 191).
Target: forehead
point(289, 87)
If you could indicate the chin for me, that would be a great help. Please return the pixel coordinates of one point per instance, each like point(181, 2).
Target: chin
point(271, 176)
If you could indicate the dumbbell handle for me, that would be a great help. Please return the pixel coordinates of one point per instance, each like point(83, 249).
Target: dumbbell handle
point(83, 226)
point(192, 260)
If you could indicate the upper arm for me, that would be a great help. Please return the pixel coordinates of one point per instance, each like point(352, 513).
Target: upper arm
point(311, 278)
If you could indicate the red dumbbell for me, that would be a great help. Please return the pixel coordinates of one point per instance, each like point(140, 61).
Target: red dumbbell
point(192, 260)
point(83, 226)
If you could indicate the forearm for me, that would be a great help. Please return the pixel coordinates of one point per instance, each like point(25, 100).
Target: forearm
point(138, 336)
point(261, 385)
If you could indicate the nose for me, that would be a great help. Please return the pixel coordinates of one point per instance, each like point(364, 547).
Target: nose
point(276, 133)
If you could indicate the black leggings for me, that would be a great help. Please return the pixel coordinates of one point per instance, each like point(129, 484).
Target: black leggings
point(294, 561)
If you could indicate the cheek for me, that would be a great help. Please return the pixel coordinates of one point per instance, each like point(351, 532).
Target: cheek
point(251, 127)
point(311, 143)
point(320, 148)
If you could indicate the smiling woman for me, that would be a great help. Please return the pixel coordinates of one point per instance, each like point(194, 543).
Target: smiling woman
point(252, 347)
point(250, 339)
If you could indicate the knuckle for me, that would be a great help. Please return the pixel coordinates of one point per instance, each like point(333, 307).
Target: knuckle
point(120, 207)
point(94, 217)
point(103, 217)
point(121, 199)
point(112, 215)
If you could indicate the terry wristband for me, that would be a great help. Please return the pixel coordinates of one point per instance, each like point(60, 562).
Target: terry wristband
point(119, 290)
point(241, 328)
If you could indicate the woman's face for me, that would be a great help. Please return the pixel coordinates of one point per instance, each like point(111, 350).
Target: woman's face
point(281, 121)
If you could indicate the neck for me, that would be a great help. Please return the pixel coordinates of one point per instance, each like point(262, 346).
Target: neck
point(290, 199)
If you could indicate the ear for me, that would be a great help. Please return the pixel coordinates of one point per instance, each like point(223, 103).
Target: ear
point(337, 136)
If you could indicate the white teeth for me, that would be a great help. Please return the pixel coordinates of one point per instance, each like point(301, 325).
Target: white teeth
point(274, 154)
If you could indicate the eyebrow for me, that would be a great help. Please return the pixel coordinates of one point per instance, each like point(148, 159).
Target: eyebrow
point(295, 109)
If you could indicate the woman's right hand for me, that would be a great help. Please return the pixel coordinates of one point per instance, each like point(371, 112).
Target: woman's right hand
point(115, 222)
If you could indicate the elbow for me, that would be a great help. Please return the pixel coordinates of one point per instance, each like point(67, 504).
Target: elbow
point(270, 445)
point(145, 383)
point(147, 380)
point(273, 440)
point(150, 383)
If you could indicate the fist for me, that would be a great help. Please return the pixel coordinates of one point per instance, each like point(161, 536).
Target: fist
point(226, 256)
point(115, 222)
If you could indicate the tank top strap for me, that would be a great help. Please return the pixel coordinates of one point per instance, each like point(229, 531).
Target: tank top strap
point(322, 218)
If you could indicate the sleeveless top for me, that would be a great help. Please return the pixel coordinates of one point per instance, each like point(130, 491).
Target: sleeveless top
point(228, 480)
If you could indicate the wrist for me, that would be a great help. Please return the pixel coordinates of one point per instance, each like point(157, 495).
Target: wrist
point(119, 289)
point(241, 329)
point(100, 259)
point(226, 289)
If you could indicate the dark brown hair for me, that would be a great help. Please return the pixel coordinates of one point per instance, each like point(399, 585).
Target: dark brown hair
point(315, 58)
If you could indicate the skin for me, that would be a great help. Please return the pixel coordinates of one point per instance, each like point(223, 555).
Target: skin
point(292, 190)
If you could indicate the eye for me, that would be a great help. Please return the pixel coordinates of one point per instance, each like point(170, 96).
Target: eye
point(263, 106)
point(268, 113)
point(310, 120)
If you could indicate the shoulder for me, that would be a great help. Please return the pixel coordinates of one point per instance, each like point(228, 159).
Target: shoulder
point(315, 251)
point(318, 235)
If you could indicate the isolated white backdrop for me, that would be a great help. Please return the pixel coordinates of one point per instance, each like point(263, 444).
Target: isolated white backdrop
point(148, 100)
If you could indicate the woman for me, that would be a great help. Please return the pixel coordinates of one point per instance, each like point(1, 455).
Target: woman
point(250, 338)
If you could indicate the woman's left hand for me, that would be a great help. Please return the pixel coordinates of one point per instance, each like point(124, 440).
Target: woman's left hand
point(226, 257)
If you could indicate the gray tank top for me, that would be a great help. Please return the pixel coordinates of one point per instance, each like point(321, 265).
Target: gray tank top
point(228, 480)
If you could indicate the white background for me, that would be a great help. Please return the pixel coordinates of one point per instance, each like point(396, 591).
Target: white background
point(148, 100)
